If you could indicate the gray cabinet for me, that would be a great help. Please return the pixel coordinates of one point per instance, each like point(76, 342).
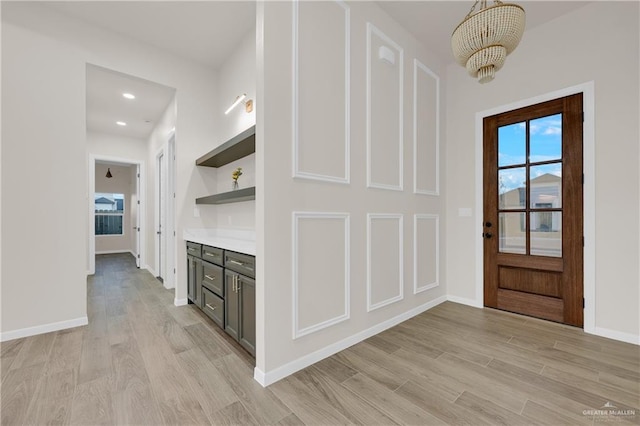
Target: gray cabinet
point(247, 314)
point(194, 249)
point(213, 255)
point(231, 313)
point(221, 283)
point(213, 278)
point(194, 286)
point(213, 306)
point(240, 309)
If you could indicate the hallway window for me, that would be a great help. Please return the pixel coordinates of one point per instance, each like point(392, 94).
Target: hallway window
point(109, 210)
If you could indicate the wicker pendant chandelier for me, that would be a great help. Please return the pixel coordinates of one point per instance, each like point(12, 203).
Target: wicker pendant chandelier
point(485, 37)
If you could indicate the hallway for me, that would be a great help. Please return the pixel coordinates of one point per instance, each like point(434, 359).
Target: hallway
point(142, 360)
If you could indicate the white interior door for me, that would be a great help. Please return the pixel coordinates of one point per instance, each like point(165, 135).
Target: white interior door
point(136, 218)
point(170, 278)
point(160, 232)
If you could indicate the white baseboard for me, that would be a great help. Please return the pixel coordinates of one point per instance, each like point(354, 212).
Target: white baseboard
point(180, 302)
point(114, 251)
point(464, 301)
point(259, 376)
point(41, 329)
point(598, 331)
point(151, 271)
point(615, 335)
point(270, 377)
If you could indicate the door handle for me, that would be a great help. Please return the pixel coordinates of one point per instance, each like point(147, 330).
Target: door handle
point(486, 235)
point(488, 224)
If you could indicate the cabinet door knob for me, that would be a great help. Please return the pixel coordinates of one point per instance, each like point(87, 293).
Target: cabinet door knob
point(209, 277)
point(213, 308)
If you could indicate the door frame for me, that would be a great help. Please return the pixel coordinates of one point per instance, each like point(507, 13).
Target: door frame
point(91, 264)
point(589, 206)
point(160, 220)
point(170, 204)
point(167, 150)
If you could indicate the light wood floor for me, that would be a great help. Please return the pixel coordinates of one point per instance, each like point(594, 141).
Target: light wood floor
point(142, 360)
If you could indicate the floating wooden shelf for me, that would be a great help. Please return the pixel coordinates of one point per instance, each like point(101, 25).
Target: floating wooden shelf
point(244, 194)
point(235, 148)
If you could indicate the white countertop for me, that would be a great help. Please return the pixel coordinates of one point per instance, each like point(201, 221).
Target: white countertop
point(240, 240)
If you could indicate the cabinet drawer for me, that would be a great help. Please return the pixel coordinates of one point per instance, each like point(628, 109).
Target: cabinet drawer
point(213, 255)
point(213, 278)
point(213, 306)
point(241, 263)
point(194, 249)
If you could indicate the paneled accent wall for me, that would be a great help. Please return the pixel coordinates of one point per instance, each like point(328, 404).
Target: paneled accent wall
point(321, 56)
point(350, 236)
point(426, 253)
point(426, 130)
point(385, 71)
point(320, 270)
point(385, 260)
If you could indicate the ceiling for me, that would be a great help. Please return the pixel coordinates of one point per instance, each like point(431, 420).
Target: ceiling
point(433, 22)
point(106, 105)
point(201, 31)
point(206, 32)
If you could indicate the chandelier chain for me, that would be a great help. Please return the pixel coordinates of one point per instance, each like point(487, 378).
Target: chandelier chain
point(483, 5)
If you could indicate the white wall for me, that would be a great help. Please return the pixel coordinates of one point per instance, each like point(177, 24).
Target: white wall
point(120, 183)
point(599, 43)
point(38, 93)
point(133, 211)
point(43, 115)
point(236, 76)
point(156, 142)
point(116, 146)
point(325, 308)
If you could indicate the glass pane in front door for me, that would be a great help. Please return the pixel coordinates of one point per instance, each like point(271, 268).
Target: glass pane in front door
point(546, 186)
point(546, 233)
point(512, 233)
point(545, 138)
point(530, 187)
point(512, 144)
point(512, 188)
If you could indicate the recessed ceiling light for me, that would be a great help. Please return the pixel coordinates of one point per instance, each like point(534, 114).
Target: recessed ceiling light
point(121, 123)
point(129, 96)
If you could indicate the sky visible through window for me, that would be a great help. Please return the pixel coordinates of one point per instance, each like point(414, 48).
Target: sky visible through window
point(545, 139)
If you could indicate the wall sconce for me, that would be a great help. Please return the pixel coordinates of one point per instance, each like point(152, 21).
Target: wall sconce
point(248, 104)
point(109, 175)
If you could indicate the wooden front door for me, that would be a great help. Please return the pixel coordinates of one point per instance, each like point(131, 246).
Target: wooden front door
point(533, 220)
